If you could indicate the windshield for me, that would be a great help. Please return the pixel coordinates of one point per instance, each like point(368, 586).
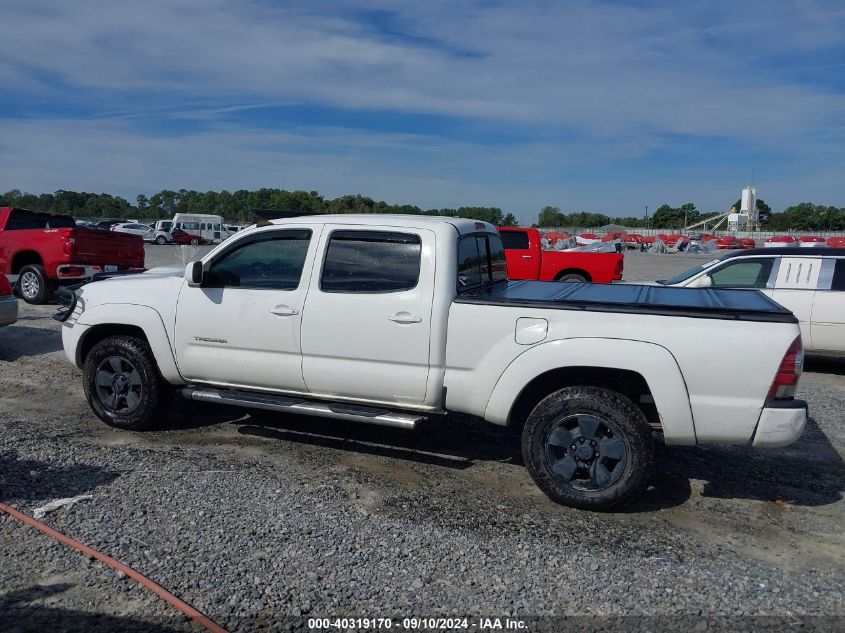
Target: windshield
point(689, 273)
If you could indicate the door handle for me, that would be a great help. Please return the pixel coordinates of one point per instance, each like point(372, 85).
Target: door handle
point(527, 257)
point(404, 317)
point(284, 311)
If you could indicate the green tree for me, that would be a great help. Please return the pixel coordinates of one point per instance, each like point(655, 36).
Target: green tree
point(550, 217)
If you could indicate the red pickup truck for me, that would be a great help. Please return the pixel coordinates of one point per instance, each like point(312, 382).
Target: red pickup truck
point(527, 260)
point(48, 249)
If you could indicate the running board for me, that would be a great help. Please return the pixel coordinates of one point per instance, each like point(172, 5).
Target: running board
point(288, 404)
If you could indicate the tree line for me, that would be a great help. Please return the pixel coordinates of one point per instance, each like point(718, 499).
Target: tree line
point(236, 206)
point(805, 216)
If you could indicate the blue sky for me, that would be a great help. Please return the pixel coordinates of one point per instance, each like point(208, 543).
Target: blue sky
point(602, 106)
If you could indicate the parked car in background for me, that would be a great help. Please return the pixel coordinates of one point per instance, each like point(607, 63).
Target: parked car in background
point(780, 241)
point(633, 240)
point(728, 242)
point(389, 319)
point(747, 242)
point(8, 303)
point(107, 224)
point(811, 241)
point(178, 236)
point(810, 283)
point(230, 230)
point(527, 260)
point(44, 250)
point(145, 231)
point(673, 240)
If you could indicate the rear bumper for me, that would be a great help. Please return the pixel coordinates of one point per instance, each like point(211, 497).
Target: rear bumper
point(8, 310)
point(780, 424)
point(76, 271)
point(81, 272)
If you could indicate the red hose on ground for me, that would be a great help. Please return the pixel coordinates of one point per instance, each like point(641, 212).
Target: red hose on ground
point(160, 591)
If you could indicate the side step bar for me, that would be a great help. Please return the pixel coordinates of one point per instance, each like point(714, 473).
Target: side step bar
point(289, 404)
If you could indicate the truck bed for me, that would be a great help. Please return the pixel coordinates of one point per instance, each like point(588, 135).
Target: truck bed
point(709, 303)
point(100, 248)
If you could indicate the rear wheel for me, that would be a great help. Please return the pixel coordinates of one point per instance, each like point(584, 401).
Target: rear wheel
point(123, 385)
point(588, 447)
point(194, 241)
point(34, 285)
point(573, 278)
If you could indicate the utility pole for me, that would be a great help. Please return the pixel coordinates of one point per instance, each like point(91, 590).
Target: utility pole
point(646, 216)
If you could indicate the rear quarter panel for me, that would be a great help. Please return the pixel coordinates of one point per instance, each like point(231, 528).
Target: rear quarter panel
point(722, 369)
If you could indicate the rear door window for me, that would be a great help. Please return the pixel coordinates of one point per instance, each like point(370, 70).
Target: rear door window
point(371, 262)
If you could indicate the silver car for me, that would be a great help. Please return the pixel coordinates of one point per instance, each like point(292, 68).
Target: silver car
point(144, 230)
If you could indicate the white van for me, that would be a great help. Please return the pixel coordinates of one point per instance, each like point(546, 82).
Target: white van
point(203, 225)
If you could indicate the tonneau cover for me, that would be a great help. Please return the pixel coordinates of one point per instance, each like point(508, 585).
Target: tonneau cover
point(709, 303)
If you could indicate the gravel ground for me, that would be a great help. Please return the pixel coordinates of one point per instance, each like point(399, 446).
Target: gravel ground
point(260, 520)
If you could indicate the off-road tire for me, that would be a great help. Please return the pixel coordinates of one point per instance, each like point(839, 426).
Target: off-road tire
point(572, 278)
point(153, 397)
point(619, 413)
point(33, 285)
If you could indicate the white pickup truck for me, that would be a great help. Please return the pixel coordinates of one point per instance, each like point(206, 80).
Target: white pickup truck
point(389, 319)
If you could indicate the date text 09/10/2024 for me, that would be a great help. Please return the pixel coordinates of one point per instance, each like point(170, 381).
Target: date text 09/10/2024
point(418, 624)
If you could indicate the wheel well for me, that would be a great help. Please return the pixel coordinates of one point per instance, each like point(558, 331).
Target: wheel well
point(574, 271)
point(628, 383)
point(25, 258)
point(100, 332)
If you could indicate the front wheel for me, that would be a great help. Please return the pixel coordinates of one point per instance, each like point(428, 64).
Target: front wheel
point(123, 385)
point(161, 240)
point(194, 241)
point(588, 448)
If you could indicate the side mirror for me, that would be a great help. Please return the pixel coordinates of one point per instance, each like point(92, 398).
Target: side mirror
point(703, 282)
point(194, 273)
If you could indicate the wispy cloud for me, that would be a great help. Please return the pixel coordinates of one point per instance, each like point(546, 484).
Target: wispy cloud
point(515, 96)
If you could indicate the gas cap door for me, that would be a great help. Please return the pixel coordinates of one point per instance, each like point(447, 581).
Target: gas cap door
point(530, 330)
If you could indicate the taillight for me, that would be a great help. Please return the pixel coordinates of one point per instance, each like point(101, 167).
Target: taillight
point(620, 265)
point(786, 380)
point(70, 242)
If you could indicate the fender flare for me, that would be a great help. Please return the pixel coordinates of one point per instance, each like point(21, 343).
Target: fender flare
point(143, 317)
point(653, 362)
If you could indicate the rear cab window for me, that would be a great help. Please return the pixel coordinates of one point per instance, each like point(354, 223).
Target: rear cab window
point(481, 261)
point(25, 220)
point(514, 240)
